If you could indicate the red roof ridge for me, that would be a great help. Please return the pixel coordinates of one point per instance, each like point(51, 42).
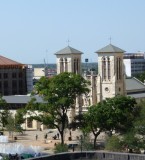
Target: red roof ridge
point(7, 61)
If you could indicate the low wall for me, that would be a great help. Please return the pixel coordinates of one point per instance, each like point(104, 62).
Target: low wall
point(94, 155)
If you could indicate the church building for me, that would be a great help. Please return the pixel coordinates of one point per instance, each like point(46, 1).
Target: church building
point(109, 81)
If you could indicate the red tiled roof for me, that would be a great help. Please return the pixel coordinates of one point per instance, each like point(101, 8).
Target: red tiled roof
point(6, 61)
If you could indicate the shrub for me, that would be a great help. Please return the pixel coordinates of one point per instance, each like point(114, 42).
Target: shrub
point(60, 148)
point(113, 144)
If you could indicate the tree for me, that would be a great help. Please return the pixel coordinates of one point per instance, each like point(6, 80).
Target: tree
point(4, 112)
point(140, 76)
point(113, 144)
point(20, 119)
point(59, 94)
point(11, 126)
point(117, 113)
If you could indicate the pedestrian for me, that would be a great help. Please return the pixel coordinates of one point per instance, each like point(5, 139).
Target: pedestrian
point(73, 148)
point(70, 133)
point(58, 135)
point(45, 137)
point(36, 137)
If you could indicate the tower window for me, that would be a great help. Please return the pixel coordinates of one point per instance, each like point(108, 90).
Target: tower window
point(118, 69)
point(61, 65)
point(109, 73)
point(74, 65)
point(66, 65)
point(104, 68)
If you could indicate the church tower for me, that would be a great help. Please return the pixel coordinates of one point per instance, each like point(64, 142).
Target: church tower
point(111, 77)
point(69, 60)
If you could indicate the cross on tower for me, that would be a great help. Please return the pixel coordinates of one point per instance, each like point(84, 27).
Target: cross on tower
point(68, 41)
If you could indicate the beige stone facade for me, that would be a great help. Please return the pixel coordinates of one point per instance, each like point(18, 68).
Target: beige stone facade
point(109, 81)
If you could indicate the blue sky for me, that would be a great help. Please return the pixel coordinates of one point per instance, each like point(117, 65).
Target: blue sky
point(33, 30)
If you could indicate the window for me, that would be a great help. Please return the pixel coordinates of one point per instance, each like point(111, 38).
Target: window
point(74, 65)
point(118, 68)
point(107, 89)
point(103, 68)
point(14, 84)
point(29, 123)
point(5, 75)
point(20, 75)
point(20, 83)
point(109, 74)
point(14, 75)
point(5, 84)
point(66, 65)
point(61, 65)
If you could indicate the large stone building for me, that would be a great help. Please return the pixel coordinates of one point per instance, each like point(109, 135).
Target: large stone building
point(109, 82)
point(15, 78)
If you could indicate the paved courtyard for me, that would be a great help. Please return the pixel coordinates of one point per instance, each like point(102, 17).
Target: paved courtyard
point(29, 138)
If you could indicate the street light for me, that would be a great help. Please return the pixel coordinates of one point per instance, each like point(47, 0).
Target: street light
point(81, 142)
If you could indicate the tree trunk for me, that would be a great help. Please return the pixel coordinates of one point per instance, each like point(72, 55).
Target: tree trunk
point(95, 139)
point(62, 137)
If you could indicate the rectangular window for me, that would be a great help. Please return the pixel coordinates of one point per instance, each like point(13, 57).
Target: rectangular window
point(20, 75)
point(5, 84)
point(20, 83)
point(14, 75)
point(5, 75)
point(14, 84)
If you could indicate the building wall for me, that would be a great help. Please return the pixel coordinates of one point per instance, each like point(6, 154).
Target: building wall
point(134, 63)
point(69, 63)
point(13, 80)
point(127, 65)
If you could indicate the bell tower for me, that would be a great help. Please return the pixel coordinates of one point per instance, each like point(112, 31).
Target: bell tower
point(111, 77)
point(69, 60)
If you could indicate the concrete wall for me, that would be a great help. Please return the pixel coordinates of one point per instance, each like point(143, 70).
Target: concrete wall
point(93, 155)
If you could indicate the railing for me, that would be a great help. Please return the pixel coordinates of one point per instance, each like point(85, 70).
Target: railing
point(92, 155)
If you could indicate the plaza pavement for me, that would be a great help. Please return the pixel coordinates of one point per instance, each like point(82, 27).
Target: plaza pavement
point(28, 138)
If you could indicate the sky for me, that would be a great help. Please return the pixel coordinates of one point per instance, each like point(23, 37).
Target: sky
point(34, 30)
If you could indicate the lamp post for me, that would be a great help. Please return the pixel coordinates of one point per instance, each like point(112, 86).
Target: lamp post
point(81, 140)
point(81, 143)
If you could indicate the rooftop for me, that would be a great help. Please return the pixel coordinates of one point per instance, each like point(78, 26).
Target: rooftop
point(68, 50)
point(110, 49)
point(7, 61)
point(134, 85)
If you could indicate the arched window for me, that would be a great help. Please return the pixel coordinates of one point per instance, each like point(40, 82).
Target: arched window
point(120, 68)
point(74, 65)
point(66, 65)
point(61, 65)
point(117, 68)
point(77, 66)
point(109, 73)
point(103, 68)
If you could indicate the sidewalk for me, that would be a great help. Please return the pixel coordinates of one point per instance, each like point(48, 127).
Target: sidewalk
point(28, 138)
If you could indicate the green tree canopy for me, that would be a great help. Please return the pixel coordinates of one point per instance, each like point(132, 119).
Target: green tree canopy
point(117, 113)
point(59, 94)
point(4, 112)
